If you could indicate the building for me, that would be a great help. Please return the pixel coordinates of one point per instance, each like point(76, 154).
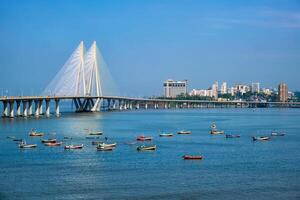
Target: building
point(175, 88)
point(202, 93)
point(214, 89)
point(224, 88)
point(282, 92)
point(255, 87)
point(267, 91)
point(242, 88)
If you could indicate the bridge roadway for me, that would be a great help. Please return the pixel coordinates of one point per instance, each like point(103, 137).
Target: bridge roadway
point(87, 104)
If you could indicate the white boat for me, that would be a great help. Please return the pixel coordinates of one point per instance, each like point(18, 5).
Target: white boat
point(261, 138)
point(74, 146)
point(106, 145)
point(24, 145)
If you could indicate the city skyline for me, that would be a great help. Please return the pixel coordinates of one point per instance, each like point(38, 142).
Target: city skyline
point(258, 41)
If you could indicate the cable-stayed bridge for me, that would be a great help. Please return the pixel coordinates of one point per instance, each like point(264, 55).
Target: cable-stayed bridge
point(85, 79)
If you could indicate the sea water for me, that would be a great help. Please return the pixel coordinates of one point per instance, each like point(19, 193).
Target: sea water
point(235, 168)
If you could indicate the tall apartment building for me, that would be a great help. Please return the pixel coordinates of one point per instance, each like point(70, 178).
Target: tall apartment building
point(283, 92)
point(224, 88)
point(255, 87)
point(214, 89)
point(174, 88)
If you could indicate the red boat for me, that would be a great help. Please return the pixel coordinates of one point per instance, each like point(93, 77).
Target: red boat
point(189, 157)
point(143, 138)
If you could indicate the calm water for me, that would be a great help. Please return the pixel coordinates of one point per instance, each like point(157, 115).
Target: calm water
point(231, 169)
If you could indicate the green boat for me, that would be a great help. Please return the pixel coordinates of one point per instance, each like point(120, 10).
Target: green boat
point(146, 148)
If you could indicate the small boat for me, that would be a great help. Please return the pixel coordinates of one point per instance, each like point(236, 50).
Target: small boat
point(24, 145)
point(49, 141)
point(100, 148)
point(146, 148)
point(143, 138)
point(96, 142)
point(232, 136)
point(184, 132)
point(277, 134)
point(74, 146)
point(34, 133)
point(67, 138)
point(215, 132)
point(166, 135)
point(190, 157)
point(92, 137)
point(53, 144)
point(11, 137)
point(107, 145)
point(261, 138)
point(18, 140)
point(96, 133)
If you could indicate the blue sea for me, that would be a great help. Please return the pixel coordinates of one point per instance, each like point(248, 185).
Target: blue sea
point(236, 168)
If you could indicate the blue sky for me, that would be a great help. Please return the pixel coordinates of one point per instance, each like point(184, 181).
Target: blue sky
point(146, 42)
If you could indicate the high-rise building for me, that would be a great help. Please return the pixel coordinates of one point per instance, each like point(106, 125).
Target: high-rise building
point(242, 88)
point(224, 88)
point(202, 93)
point(255, 87)
point(215, 90)
point(282, 92)
point(175, 88)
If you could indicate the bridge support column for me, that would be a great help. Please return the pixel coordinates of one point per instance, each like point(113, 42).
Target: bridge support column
point(36, 108)
point(24, 108)
point(57, 107)
point(30, 107)
point(41, 107)
point(18, 108)
point(47, 107)
point(137, 106)
point(11, 109)
point(146, 106)
point(114, 104)
point(166, 105)
point(5, 109)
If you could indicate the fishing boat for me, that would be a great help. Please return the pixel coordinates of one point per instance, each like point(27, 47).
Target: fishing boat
point(49, 141)
point(11, 137)
point(232, 136)
point(34, 133)
point(183, 132)
point(277, 133)
point(101, 148)
point(96, 133)
point(74, 146)
point(18, 140)
point(92, 137)
point(261, 138)
point(143, 138)
point(146, 148)
point(107, 145)
point(24, 145)
point(166, 135)
point(96, 142)
point(216, 132)
point(53, 144)
point(191, 157)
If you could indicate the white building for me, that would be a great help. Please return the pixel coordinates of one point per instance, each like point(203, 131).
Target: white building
point(267, 91)
point(255, 88)
point(202, 93)
point(174, 88)
point(214, 89)
point(242, 88)
point(224, 88)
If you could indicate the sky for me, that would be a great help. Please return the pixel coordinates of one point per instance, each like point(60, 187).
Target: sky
point(146, 42)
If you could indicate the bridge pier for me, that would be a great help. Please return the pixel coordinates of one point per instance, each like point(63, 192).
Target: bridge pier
point(18, 108)
point(47, 107)
point(57, 107)
point(24, 108)
point(36, 108)
point(5, 109)
point(146, 105)
point(11, 109)
point(41, 107)
point(30, 107)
